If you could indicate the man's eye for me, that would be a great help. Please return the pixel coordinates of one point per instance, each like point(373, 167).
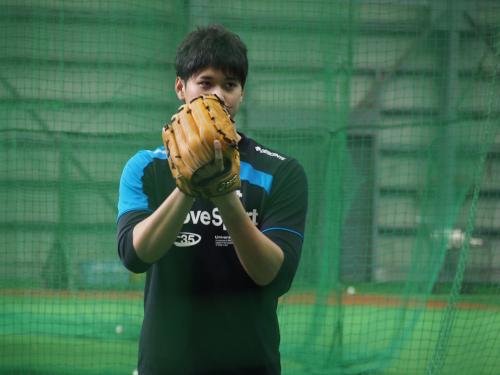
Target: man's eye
point(204, 84)
point(231, 85)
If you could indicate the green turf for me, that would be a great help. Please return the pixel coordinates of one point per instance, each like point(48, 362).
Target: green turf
point(56, 354)
point(374, 342)
point(69, 335)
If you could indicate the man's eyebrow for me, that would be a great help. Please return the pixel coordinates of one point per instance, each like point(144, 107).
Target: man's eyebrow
point(205, 76)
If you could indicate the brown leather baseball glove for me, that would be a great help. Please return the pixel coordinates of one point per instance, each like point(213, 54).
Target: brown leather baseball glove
point(189, 143)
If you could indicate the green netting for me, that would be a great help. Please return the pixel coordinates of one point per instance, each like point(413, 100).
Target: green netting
point(391, 106)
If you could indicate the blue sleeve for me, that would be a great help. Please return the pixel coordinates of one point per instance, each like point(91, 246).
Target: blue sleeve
point(134, 205)
point(131, 193)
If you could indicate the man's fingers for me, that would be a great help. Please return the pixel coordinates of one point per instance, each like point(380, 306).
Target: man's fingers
point(219, 162)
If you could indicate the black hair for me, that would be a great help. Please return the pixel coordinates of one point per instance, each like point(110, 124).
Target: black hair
point(212, 46)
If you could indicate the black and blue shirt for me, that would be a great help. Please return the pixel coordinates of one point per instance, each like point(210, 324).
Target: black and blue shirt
point(202, 313)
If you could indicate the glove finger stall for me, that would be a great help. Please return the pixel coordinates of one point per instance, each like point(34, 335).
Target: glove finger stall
point(200, 153)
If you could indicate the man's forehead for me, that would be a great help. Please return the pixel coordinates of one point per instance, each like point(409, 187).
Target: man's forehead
point(211, 73)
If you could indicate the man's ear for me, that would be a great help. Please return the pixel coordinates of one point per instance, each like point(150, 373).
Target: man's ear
point(180, 88)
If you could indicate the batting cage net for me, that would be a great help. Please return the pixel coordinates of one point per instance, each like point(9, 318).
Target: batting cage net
point(393, 109)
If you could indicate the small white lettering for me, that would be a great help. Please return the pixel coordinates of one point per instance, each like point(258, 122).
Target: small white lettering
point(223, 241)
point(267, 152)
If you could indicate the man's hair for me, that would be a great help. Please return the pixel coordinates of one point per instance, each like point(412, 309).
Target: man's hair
point(212, 46)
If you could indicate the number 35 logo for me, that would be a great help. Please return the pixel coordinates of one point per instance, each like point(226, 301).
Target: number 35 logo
point(186, 239)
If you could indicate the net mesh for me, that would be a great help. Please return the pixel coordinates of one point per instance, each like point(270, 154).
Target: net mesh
point(391, 106)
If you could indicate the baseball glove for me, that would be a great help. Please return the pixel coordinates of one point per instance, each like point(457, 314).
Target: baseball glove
point(189, 142)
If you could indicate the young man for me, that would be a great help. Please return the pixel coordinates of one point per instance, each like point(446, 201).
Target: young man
point(215, 268)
